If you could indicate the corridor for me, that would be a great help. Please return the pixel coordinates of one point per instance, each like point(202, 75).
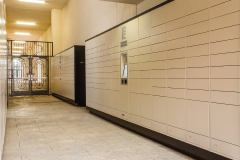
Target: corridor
point(45, 128)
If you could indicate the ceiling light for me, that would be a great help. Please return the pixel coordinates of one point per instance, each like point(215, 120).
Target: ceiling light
point(20, 33)
point(33, 1)
point(17, 51)
point(19, 41)
point(18, 47)
point(26, 23)
point(16, 54)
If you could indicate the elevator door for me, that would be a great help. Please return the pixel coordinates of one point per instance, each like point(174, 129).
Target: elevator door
point(30, 75)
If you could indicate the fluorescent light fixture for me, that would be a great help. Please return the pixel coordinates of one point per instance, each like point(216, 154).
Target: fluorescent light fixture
point(17, 51)
point(19, 41)
point(3, 51)
point(18, 47)
point(26, 23)
point(16, 54)
point(20, 33)
point(33, 1)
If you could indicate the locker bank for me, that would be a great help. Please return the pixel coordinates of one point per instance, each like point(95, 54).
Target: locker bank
point(120, 79)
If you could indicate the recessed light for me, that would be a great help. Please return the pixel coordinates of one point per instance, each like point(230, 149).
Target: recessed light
point(20, 33)
point(17, 51)
point(26, 23)
point(18, 47)
point(19, 41)
point(33, 1)
point(16, 54)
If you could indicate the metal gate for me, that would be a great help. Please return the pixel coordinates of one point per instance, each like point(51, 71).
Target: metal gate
point(29, 67)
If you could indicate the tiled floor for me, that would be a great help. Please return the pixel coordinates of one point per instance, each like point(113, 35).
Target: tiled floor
point(45, 128)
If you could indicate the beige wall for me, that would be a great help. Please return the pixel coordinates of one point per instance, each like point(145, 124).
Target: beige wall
point(3, 80)
point(147, 4)
point(183, 73)
point(47, 36)
point(56, 29)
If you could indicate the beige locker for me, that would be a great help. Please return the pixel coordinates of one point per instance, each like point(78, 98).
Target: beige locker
point(229, 20)
point(198, 140)
point(216, 2)
point(133, 52)
point(199, 95)
point(225, 8)
point(177, 53)
point(145, 122)
point(225, 97)
point(159, 82)
point(133, 67)
point(176, 93)
point(230, 85)
point(145, 106)
point(176, 73)
point(133, 59)
point(158, 65)
point(197, 17)
point(159, 38)
point(197, 84)
point(133, 45)
point(159, 47)
point(176, 83)
point(115, 84)
point(133, 74)
point(225, 149)
point(159, 29)
point(178, 33)
point(157, 74)
point(133, 85)
point(176, 106)
point(202, 61)
point(159, 56)
point(144, 50)
point(175, 9)
point(176, 63)
point(225, 123)
point(199, 50)
point(159, 109)
point(198, 72)
point(197, 39)
point(225, 34)
point(177, 133)
point(144, 42)
point(132, 30)
point(145, 66)
point(159, 127)
point(156, 91)
point(114, 75)
point(225, 46)
point(197, 28)
point(225, 72)
point(194, 6)
point(108, 98)
point(225, 59)
point(158, 16)
point(198, 117)
point(176, 44)
point(133, 103)
point(124, 98)
point(134, 119)
point(145, 26)
point(115, 99)
point(145, 86)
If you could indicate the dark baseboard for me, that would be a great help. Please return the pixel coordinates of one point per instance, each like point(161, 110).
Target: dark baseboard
point(64, 99)
point(185, 148)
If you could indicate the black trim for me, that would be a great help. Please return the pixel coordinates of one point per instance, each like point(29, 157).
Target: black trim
point(147, 11)
point(64, 99)
point(188, 149)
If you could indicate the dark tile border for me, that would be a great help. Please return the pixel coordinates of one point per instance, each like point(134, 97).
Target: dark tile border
point(185, 148)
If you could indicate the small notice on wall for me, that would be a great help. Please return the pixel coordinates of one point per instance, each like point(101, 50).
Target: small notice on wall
point(123, 44)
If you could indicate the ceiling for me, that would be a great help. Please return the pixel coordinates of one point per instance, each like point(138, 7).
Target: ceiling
point(125, 1)
point(30, 12)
